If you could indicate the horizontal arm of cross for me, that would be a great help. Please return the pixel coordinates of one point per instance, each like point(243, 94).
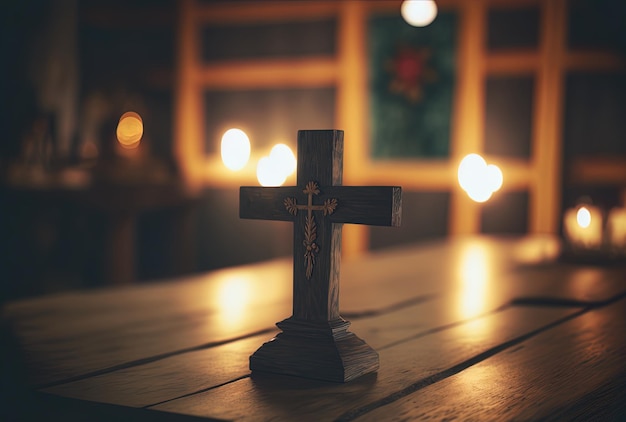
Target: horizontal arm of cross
point(371, 205)
point(266, 203)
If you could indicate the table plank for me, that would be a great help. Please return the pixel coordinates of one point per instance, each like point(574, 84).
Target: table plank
point(76, 334)
point(506, 269)
point(402, 364)
point(527, 382)
point(168, 378)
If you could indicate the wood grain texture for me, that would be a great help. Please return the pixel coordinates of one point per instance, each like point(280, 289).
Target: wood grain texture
point(153, 382)
point(433, 312)
point(402, 365)
point(320, 157)
point(324, 351)
point(74, 334)
point(370, 205)
point(316, 261)
point(106, 328)
point(527, 383)
point(266, 203)
point(403, 285)
point(170, 377)
point(317, 298)
point(165, 379)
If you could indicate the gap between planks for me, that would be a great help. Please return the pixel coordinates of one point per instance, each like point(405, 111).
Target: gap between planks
point(115, 387)
point(425, 382)
point(454, 369)
point(531, 301)
point(440, 376)
point(349, 315)
point(574, 371)
point(317, 400)
point(433, 378)
point(151, 359)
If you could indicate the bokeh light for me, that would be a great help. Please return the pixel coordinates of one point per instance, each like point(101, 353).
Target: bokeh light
point(583, 217)
point(274, 169)
point(469, 170)
point(235, 149)
point(478, 179)
point(494, 175)
point(282, 156)
point(129, 130)
point(233, 298)
point(475, 277)
point(418, 12)
point(268, 174)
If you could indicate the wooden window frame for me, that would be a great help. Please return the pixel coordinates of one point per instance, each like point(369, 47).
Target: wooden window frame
point(347, 73)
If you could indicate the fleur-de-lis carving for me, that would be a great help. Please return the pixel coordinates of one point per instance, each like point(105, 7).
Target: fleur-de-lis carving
point(329, 206)
point(290, 204)
point(311, 248)
point(311, 189)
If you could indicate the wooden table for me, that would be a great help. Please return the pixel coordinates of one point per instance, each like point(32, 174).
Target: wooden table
point(472, 328)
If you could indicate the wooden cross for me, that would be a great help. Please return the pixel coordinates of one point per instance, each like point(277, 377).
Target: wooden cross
point(315, 342)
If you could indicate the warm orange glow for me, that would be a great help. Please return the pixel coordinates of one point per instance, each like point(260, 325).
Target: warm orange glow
point(419, 12)
point(537, 249)
point(233, 298)
point(616, 228)
point(583, 226)
point(474, 277)
point(478, 179)
point(475, 291)
point(129, 130)
point(235, 149)
point(240, 296)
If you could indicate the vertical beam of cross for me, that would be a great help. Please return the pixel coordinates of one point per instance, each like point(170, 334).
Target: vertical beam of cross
point(310, 227)
point(317, 232)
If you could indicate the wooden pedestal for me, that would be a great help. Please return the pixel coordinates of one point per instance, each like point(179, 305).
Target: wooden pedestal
point(324, 351)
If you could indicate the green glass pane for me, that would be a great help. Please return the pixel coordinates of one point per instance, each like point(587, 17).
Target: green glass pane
point(412, 76)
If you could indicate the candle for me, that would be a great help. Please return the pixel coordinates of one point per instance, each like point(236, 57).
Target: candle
point(583, 227)
point(616, 228)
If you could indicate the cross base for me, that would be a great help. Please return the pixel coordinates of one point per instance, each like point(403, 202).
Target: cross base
point(324, 351)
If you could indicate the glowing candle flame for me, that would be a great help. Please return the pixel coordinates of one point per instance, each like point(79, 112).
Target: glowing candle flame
point(129, 130)
point(583, 228)
point(235, 149)
point(418, 12)
point(583, 217)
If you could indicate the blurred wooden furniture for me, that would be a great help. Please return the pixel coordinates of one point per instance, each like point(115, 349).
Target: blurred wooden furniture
point(113, 212)
point(600, 171)
point(485, 328)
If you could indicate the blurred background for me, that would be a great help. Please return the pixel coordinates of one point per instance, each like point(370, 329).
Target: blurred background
point(119, 163)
